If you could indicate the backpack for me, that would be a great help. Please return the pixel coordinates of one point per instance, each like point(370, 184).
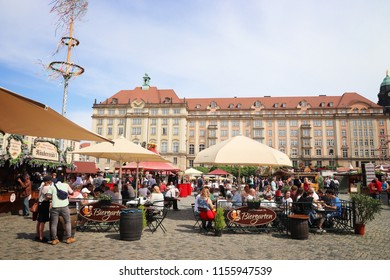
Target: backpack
point(61, 194)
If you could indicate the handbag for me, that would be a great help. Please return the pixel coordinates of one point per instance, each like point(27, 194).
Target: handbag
point(34, 207)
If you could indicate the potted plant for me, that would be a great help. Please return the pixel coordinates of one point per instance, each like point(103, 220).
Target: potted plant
point(253, 204)
point(104, 199)
point(144, 220)
point(219, 221)
point(366, 208)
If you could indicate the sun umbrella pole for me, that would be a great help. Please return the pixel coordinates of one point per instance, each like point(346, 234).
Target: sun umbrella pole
point(239, 175)
point(136, 181)
point(120, 177)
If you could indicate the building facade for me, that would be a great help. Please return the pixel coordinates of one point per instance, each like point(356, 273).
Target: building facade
point(325, 131)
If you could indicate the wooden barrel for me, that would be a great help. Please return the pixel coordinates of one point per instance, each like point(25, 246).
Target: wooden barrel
point(61, 230)
point(130, 224)
point(299, 226)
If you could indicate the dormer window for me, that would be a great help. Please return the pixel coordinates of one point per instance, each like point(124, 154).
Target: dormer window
point(330, 104)
point(283, 105)
point(197, 106)
point(257, 104)
point(276, 105)
point(213, 104)
point(231, 106)
point(167, 100)
point(322, 104)
point(114, 101)
point(238, 105)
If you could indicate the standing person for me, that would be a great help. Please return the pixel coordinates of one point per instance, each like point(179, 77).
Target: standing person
point(327, 182)
point(373, 188)
point(60, 207)
point(273, 186)
point(200, 183)
point(388, 193)
point(163, 187)
point(26, 185)
point(43, 209)
point(336, 186)
point(125, 193)
point(54, 177)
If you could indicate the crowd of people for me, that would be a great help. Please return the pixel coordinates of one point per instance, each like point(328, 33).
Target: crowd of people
point(294, 195)
point(272, 192)
point(85, 189)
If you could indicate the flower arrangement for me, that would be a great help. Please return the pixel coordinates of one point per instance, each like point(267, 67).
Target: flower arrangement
point(104, 199)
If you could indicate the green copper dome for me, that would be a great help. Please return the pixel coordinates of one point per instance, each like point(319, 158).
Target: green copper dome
point(386, 80)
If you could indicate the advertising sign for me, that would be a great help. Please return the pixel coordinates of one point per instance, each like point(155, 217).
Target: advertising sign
point(14, 148)
point(251, 217)
point(102, 213)
point(45, 150)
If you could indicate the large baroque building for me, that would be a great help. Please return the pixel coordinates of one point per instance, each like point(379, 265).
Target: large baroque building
point(325, 131)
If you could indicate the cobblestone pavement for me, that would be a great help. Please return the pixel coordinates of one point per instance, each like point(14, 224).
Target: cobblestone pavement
point(183, 242)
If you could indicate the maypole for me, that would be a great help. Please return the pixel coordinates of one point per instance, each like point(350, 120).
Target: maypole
point(68, 11)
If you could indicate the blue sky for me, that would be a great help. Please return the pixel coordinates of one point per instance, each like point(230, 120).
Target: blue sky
point(199, 48)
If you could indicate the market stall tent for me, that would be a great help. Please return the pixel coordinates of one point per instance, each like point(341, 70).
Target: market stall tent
point(23, 116)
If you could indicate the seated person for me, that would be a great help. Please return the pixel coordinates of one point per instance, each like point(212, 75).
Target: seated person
point(334, 206)
point(322, 197)
point(287, 202)
point(268, 201)
point(251, 194)
point(144, 191)
point(86, 196)
point(212, 197)
point(127, 192)
point(76, 192)
point(306, 206)
point(206, 208)
point(236, 199)
point(108, 191)
point(222, 192)
point(267, 191)
point(157, 198)
point(172, 195)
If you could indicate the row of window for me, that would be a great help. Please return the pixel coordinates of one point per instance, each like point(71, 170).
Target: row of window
point(138, 121)
point(256, 123)
point(292, 123)
point(137, 131)
point(153, 111)
point(281, 112)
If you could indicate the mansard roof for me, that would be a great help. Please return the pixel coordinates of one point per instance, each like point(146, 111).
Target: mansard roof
point(151, 95)
point(290, 102)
